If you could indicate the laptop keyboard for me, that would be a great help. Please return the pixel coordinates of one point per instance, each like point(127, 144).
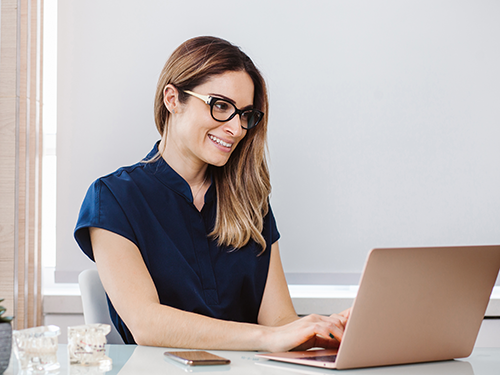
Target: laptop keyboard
point(322, 358)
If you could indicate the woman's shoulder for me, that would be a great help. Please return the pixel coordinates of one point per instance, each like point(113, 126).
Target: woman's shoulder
point(126, 174)
point(123, 174)
point(124, 182)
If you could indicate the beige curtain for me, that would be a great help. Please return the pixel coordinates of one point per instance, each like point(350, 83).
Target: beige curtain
point(20, 159)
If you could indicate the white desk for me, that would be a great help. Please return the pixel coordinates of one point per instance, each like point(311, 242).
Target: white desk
point(138, 360)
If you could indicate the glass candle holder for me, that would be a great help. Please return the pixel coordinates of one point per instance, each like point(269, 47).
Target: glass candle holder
point(36, 348)
point(86, 345)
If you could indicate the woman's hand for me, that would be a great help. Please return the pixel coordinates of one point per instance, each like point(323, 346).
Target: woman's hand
point(284, 330)
point(309, 332)
point(346, 313)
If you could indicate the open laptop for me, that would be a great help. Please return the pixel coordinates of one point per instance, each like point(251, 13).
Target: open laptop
point(413, 305)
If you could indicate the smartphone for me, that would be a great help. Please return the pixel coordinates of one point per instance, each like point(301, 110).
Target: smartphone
point(197, 358)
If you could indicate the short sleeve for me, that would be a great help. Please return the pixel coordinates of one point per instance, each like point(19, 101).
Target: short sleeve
point(271, 226)
point(101, 209)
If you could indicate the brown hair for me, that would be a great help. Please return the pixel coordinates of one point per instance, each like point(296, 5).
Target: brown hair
point(243, 183)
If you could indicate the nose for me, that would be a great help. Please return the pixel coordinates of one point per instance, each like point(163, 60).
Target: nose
point(233, 127)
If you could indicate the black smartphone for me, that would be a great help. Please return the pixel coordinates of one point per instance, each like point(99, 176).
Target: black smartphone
point(197, 358)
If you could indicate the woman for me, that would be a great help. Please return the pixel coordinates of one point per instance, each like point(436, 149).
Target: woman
point(185, 241)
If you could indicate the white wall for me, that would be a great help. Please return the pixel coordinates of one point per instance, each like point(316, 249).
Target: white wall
point(384, 121)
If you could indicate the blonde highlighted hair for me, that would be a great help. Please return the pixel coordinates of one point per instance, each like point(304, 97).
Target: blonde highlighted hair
point(243, 183)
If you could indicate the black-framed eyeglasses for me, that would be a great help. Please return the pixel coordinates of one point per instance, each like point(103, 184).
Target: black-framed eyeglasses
point(223, 110)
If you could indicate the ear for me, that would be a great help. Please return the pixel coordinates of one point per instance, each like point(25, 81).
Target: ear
point(171, 98)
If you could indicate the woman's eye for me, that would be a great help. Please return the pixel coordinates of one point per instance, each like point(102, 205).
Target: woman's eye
point(246, 115)
point(222, 106)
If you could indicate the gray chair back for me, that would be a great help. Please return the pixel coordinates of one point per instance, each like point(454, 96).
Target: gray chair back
point(95, 305)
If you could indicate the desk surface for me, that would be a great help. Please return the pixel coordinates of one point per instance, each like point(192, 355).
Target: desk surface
point(134, 360)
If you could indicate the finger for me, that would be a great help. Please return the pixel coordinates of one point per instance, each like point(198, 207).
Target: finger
point(333, 324)
point(346, 313)
point(318, 342)
point(329, 328)
point(310, 343)
point(322, 342)
point(336, 333)
point(339, 320)
point(338, 327)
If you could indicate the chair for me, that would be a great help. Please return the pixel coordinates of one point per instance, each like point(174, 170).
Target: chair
point(95, 305)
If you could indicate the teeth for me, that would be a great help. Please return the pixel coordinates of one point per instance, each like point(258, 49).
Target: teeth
point(220, 141)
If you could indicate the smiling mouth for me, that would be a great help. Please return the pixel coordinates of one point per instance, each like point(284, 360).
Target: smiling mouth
point(220, 141)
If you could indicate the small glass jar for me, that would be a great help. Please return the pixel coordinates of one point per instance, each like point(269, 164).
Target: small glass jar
point(86, 345)
point(36, 348)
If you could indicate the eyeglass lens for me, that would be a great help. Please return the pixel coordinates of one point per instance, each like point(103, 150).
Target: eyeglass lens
point(223, 110)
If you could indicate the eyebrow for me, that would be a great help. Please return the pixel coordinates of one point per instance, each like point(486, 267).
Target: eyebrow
point(220, 96)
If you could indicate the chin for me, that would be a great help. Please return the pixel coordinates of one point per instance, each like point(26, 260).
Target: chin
point(217, 158)
point(219, 163)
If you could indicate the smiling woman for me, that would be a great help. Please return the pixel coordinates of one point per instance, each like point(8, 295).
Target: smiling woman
point(185, 241)
point(244, 194)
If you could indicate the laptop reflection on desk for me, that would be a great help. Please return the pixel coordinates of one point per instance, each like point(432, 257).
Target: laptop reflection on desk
point(413, 305)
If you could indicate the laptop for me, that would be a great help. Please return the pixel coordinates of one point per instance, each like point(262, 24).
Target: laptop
point(413, 305)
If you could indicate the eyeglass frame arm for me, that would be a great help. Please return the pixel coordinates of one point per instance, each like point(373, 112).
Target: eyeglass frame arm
point(206, 98)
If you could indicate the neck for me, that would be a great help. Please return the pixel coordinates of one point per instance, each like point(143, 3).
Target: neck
point(193, 172)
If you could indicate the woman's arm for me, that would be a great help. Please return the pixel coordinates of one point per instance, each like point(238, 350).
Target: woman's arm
point(277, 310)
point(133, 294)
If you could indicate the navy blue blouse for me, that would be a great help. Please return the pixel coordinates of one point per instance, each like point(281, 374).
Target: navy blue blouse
point(151, 205)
